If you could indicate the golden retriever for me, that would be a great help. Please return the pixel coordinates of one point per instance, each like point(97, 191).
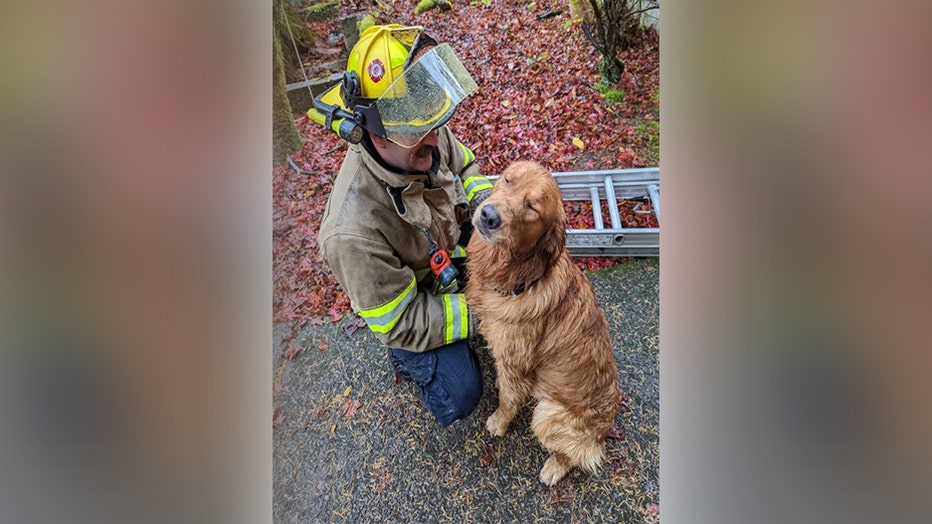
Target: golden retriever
point(538, 314)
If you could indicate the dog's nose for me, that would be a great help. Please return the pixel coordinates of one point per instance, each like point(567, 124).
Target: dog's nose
point(489, 218)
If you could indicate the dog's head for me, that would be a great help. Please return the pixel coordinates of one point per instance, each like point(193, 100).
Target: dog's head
point(524, 213)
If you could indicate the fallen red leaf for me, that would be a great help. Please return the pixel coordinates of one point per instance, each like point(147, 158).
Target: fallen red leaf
point(623, 401)
point(487, 457)
point(350, 407)
point(622, 466)
point(354, 325)
point(617, 432)
point(559, 494)
point(277, 418)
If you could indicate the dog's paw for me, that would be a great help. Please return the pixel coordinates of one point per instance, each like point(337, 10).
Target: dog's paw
point(554, 470)
point(497, 424)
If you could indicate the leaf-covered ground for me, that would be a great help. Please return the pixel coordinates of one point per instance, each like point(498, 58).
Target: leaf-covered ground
point(536, 100)
point(353, 445)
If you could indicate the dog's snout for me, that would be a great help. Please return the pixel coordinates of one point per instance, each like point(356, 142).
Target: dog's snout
point(489, 217)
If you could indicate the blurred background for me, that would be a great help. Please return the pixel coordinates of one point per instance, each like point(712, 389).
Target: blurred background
point(135, 252)
point(795, 279)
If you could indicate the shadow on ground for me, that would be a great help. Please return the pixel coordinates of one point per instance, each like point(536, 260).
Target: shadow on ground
point(388, 461)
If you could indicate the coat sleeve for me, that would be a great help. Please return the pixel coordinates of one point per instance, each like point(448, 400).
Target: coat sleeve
point(384, 292)
point(463, 164)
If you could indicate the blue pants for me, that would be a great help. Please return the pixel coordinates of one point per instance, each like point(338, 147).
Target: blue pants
point(447, 378)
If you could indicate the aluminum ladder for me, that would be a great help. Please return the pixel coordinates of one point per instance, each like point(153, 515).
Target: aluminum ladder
point(612, 185)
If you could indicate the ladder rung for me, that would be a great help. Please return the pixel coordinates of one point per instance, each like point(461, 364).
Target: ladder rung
point(596, 208)
point(612, 203)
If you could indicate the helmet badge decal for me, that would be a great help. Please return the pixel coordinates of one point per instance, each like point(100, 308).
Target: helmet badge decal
point(376, 70)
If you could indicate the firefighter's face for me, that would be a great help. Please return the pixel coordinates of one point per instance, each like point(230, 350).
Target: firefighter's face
point(414, 159)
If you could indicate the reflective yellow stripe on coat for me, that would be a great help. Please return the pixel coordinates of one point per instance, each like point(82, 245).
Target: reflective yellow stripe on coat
point(456, 316)
point(468, 155)
point(381, 319)
point(474, 184)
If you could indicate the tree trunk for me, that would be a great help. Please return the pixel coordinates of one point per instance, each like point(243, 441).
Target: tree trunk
point(290, 61)
point(611, 68)
point(285, 138)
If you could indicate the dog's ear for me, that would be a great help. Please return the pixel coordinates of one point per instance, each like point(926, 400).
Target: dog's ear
point(553, 241)
point(549, 247)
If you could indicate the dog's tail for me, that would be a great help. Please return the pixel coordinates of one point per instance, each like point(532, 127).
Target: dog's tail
point(562, 432)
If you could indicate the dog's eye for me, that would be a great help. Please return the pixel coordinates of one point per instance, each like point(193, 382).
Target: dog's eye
point(528, 204)
point(507, 180)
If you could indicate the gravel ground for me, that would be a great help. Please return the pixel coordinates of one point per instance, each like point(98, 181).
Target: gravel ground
point(352, 446)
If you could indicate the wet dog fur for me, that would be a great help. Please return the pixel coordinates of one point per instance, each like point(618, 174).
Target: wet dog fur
point(539, 316)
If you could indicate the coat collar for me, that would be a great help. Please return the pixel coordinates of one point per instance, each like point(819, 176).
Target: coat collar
point(406, 190)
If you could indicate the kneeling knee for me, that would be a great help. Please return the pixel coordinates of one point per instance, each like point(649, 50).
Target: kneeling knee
point(460, 377)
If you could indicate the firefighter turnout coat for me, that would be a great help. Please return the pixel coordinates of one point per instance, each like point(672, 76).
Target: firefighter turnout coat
point(372, 238)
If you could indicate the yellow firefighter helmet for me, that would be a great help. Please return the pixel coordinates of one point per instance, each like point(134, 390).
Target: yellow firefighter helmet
point(399, 83)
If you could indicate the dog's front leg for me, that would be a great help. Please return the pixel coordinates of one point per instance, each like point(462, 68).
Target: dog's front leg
point(513, 392)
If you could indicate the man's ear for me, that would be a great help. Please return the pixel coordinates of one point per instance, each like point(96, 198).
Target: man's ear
point(379, 142)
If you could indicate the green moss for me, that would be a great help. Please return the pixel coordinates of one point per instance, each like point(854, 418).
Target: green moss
point(322, 10)
point(427, 5)
point(424, 5)
point(650, 129)
point(366, 22)
point(285, 137)
point(612, 95)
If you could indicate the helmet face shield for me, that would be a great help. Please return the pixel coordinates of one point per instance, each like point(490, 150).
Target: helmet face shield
point(424, 97)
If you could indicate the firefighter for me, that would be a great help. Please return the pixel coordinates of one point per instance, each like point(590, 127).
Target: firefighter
point(399, 214)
